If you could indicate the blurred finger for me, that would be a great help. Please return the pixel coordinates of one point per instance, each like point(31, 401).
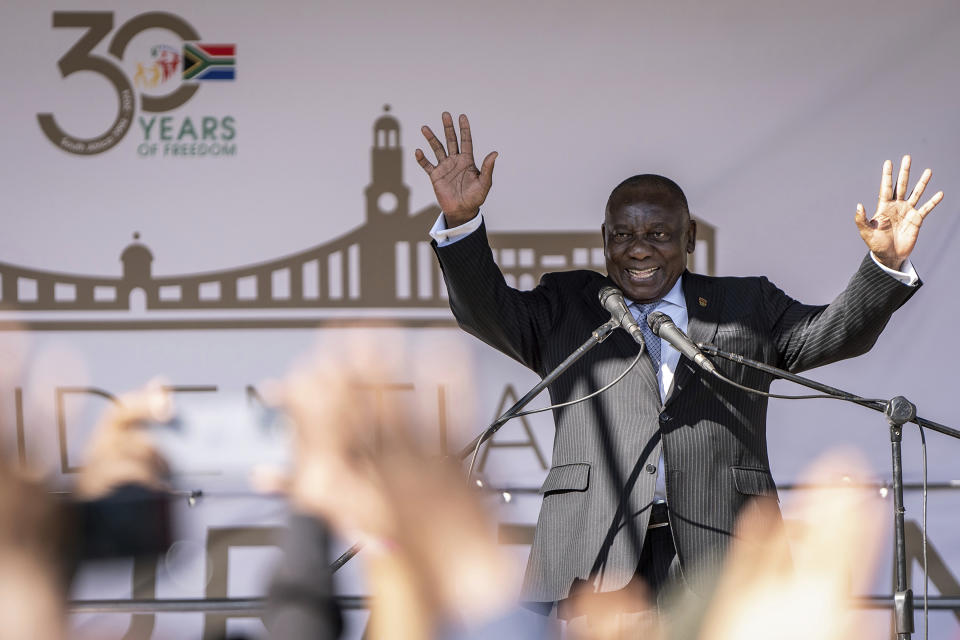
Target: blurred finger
point(270, 480)
point(903, 178)
point(271, 392)
point(329, 399)
point(434, 143)
point(761, 542)
point(153, 403)
point(450, 133)
point(921, 185)
point(423, 162)
point(306, 397)
point(136, 446)
point(886, 183)
point(930, 204)
point(466, 138)
point(841, 539)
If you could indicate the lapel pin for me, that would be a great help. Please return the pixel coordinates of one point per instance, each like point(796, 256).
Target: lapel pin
point(702, 301)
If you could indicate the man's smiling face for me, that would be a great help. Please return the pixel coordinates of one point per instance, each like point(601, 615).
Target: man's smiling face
point(646, 245)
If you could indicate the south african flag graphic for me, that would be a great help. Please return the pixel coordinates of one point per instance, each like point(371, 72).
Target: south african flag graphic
point(209, 61)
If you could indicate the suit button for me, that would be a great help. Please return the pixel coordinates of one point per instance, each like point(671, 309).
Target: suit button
point(665, 417)
point(651, 468)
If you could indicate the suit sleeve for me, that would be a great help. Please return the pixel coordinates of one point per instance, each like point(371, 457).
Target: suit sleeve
point(808, 336)
point(513, 322)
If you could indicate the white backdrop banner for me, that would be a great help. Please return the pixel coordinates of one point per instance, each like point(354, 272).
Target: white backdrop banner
point(202, 190)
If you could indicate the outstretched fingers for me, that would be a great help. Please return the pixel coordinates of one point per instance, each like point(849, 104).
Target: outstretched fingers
point(450, 133)
point(423, 162)
point(918, 190)
point(486, 169)
point(466, 139)
point(152, 403)
point(886, 183)
point(930, 204)
point(861, 218)
point(434, 143)
point(903, 178)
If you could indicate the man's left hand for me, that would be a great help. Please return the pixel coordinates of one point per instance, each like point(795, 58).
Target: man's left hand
point(892, 232)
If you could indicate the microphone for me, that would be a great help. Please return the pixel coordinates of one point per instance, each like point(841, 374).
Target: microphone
point(663, 327)
point(612, 300)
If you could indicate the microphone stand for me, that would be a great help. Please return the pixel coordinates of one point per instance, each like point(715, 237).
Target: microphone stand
point(599, 335)
point(898, 412)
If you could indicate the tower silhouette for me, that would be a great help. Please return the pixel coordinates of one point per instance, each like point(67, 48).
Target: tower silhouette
point(388, 213)
point(386, 194)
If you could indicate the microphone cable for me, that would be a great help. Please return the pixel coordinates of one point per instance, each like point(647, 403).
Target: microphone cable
point(866, 402)
point(586, 397)
point(476, 449)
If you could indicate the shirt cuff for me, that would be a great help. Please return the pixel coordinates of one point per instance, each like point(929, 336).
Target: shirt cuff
point(908, 276)
point(445, 236)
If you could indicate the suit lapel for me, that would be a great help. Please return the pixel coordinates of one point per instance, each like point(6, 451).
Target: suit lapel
point(704, 302)
point(595, 313)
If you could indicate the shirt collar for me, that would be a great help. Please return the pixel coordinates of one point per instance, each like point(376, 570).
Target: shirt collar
point(674, 296)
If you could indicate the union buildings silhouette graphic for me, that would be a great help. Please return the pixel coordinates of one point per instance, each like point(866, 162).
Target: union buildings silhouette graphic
point(346, 272)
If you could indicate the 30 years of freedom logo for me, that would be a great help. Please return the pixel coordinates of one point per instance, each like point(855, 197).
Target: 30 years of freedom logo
point(162, 78)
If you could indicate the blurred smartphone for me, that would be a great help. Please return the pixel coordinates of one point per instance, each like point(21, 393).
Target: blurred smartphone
point(214, 441)
point(131, 521)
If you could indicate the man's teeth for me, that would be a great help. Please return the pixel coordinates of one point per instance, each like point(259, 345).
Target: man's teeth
point(642, 273)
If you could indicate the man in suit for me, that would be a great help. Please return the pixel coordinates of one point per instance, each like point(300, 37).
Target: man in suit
point(648, 479)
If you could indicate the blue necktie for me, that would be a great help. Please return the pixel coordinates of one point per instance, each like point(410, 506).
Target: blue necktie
point(653, 342)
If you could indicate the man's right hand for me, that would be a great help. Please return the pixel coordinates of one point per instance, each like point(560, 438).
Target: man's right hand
point(459, 186)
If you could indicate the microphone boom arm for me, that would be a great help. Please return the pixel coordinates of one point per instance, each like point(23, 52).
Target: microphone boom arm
point(599, 335)
point(819, 386)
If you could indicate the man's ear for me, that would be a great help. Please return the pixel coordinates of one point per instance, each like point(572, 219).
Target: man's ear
point(603, 234)
point(691, 235)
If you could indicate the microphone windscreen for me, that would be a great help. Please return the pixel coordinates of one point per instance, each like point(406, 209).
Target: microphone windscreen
point(655, 319)
point(606, 292)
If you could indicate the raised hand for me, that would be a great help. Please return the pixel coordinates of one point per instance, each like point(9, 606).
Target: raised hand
point(459, 186)
point(892, 232)
point(359, 466)
point(770, 584)
point(121, 451)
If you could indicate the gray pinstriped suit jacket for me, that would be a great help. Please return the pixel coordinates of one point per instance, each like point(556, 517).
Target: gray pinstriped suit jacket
point(597, 494)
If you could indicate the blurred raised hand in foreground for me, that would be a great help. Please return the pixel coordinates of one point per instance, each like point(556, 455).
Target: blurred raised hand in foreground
point(429, 546)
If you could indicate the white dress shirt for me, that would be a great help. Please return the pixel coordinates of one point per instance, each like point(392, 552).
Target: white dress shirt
point(674, 305)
